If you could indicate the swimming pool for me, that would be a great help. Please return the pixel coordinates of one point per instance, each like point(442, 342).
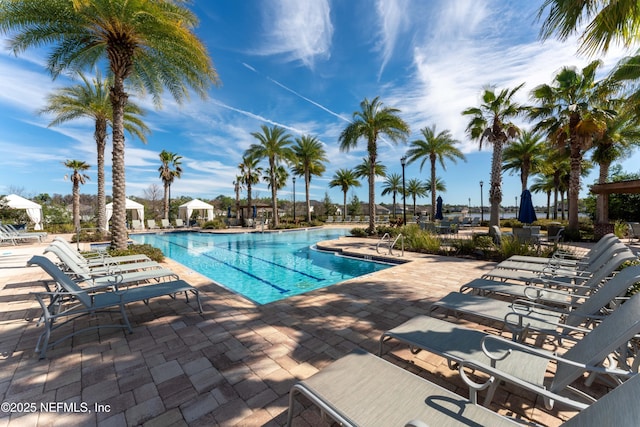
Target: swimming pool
point(262, 267)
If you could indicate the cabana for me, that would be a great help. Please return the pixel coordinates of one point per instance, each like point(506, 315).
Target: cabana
point(34, 210)
point(185, 210)
point(137, 208)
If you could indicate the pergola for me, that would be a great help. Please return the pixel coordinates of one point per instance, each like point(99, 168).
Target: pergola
point(602, 213)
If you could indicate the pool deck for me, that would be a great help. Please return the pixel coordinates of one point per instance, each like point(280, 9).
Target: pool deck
point(232, 365)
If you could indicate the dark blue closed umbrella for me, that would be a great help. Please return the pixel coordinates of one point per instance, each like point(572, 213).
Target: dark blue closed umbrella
point(439, 208)
point(527, 213)
point(255, 212)
point(229, 212)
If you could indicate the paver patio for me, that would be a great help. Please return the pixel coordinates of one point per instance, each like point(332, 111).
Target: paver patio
point(232, 365)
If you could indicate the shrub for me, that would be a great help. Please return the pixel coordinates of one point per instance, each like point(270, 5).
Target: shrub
point(152, 252)
point(216, 224)
point(359, 232)
point(93, 236)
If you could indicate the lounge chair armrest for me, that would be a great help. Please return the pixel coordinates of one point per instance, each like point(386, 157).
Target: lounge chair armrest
point(416, 423)
point(498, 375)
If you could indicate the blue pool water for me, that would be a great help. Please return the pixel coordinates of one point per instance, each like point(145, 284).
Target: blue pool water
point(263, 267)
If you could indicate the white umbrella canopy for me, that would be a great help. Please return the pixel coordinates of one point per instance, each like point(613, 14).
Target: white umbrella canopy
point(137, 208)
point(185, 210)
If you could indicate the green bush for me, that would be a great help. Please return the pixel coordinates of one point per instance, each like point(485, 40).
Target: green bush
point(91, 236)
point(216, 224)
point(358, 232)
point(152, 252)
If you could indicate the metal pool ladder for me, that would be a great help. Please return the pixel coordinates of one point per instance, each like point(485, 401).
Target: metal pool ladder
point(387, 238)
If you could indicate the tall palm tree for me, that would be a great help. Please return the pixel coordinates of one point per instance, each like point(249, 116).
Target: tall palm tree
point(569, 112)
point(249, 173)
point(345, 179)
point(281, 177)
point(131, 35)
point(274, 145)
point(492, 121)
point(373, 120)
point(169, 170)
point(439, 184)
point(524, 156)
point(392, 185)
point(434, 147)
point(544, 184)
point(310, 157)
point(90, 99)
point(237, 185)
point(77, 178)
point(416, 188)
point(601, 22)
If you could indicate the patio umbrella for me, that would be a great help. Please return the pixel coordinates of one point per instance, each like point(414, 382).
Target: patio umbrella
point(527, 213)
point(255, 212)
point(229, 212)
point(439, 208)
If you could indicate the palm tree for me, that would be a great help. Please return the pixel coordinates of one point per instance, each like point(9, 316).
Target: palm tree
point(249, 173)
point(373, 120)
point(77, 178)
point(361, 170)
point(416, 188)
point(492, 121)
point(524, 155)
point(237, 185)
point(568, 111)
point(169, 170)
point(274, 146)
point(90, 99)
point(544, 184)
point(439, 184)
point(434, 147)
point(310, 157)
point(281, 176)
point(393, 186)
point(601, 22)
point(132, 36)
point(345, 179)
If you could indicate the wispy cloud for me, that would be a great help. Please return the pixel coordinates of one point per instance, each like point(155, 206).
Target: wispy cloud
point(258, 117)
point(301, 30)
point(392, 15)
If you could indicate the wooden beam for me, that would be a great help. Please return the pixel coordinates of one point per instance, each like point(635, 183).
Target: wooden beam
point(631, 186)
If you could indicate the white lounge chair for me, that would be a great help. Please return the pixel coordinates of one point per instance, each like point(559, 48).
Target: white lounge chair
point(151, 224)
point(165, 223)
point(179, 223)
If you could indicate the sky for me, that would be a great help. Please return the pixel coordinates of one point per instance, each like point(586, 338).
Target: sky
point(304, 66)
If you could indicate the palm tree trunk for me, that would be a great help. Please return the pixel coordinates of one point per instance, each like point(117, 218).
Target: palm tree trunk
point(548, 203)
point(274, 192)
point(602, 200)
point(249, 201)
point(574, 187)
point(344, 205)
point(119, 228)
point(166, 200)
point(307, 180)
point(372, 193)
point(433, 187)
point(495, 192)
point(76, 201)
point(100, 135)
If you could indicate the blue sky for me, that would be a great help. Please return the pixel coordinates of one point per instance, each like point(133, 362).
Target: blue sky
point(305, 66)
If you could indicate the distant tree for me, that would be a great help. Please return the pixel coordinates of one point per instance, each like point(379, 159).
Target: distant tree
point(491, 121)
point(361, 171)
point(169, 170)
point(310, 158)
point(355, 206)
point(434, 147)
point(90, 99)
point(345, 179)
point(416, 188)
point(77, 178)
point(393, 186)
point(524, 156)
point(249, 174)
point(327, 204)
point(369, 123)
point(274, 145)
point(153, 194)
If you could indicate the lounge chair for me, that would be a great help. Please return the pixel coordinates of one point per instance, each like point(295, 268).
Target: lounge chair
point(70, 300)
point(549, 287)
point(364, 390)
point(42, 235)
point(634, 231)
point(523, 365)
point(97, 258)
point(137, 225)
point(329, 219)
point(563, 258)
point(165, 223)
point(557, 273)
point(20, 236)
point(179, 223)
point(119, 274)
point(104, 263)
point(151, 224)
point(522, 317)
point(4, 237)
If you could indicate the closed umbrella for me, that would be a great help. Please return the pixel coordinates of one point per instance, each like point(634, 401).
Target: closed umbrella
point(527, 213)
point(439, 208)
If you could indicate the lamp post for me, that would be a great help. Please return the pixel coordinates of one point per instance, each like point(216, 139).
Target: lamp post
point(294, 199)
point(481, 205)
point(403, 162)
